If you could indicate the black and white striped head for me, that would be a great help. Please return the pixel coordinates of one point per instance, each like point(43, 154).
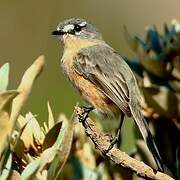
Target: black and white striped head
point(77, 27)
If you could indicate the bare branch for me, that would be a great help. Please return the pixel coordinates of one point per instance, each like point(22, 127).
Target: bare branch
point(102, 142)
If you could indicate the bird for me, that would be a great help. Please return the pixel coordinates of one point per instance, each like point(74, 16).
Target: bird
point(102, 77)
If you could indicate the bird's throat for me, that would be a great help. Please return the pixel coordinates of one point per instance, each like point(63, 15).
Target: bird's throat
point(74, 44)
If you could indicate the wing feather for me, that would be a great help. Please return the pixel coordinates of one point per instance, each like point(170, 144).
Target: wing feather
point(102, 66)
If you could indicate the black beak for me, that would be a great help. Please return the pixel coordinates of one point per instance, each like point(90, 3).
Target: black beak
point(56, 33)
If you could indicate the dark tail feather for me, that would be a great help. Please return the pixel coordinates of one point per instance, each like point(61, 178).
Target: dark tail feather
point(147, 136)
point(152, 147)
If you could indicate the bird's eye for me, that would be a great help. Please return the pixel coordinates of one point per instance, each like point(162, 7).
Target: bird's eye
point(77, 28)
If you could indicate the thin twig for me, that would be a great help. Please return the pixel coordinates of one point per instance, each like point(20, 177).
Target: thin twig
point(102, 142)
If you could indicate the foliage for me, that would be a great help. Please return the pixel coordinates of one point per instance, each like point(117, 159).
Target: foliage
point(28, 150)
point(60, 149)
point(157, 66)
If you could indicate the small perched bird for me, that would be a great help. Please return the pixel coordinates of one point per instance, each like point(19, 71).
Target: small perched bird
point(101, 76)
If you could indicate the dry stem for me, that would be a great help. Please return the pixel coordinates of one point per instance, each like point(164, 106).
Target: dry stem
point(102, 142)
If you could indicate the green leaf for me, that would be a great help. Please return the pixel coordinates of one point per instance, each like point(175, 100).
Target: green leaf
point(64, 142)
point(30, 170)
point(103, 171)
point(4, 77)
point(61, 134)
point(6, 164)
point(52, 135)
point(80, 171)
point(6, 99)
point(90, 174)
point(50, 118)
point(55, 160)
point(46, 158)
point(37, 166)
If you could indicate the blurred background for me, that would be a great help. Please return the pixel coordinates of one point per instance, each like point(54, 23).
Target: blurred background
point(25, 33)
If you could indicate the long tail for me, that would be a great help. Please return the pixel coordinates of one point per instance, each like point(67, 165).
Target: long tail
point(147, 136)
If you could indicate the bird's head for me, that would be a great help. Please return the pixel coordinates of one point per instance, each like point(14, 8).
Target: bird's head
point(78, 28)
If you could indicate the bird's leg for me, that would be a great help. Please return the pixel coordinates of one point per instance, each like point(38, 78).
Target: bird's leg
point(84, 115)
point(117, 137)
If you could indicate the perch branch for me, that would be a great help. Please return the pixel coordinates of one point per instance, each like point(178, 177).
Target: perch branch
point(102, 142)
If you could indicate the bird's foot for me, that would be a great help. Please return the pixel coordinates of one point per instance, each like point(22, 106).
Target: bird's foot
point(113, 141)
point(85, 112)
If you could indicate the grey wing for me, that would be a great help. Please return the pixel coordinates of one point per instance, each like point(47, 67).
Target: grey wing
point(109, 72)
point(105, 68)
